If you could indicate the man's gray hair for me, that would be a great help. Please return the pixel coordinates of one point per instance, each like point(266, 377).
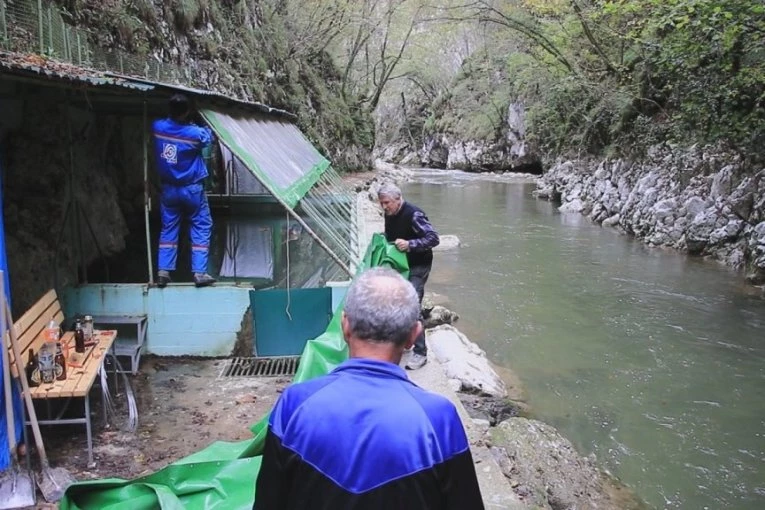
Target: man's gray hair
point(389, 190)
point(382, 306)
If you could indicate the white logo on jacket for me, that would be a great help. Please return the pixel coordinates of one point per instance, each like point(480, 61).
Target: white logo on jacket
point(170, 152)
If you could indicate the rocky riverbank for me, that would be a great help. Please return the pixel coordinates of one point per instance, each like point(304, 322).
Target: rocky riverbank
point(541, 467)
point(703, 201)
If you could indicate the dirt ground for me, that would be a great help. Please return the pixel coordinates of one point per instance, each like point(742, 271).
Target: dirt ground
point(183, 406)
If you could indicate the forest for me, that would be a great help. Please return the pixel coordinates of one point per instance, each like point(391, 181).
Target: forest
point(600, 78)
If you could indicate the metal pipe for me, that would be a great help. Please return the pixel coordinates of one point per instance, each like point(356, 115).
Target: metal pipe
point(50, 29)
point(2, 20)
point(146, 197)
point(72, 197)
point(59, 239)
point(40, 26)
point(65, 37)
point(95, 241)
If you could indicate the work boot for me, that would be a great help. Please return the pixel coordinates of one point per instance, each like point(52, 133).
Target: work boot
point(163, 278)
point(416, 361)
point(203, 279)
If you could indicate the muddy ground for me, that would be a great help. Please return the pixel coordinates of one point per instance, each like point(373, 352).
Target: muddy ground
point(183, 406)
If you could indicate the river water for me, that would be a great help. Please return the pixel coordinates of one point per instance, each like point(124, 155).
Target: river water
point(652, 360)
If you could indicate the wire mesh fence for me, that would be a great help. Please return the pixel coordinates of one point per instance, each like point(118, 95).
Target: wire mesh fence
point(41, 27)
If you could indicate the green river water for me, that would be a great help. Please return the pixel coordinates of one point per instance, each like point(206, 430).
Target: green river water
point(651, 360)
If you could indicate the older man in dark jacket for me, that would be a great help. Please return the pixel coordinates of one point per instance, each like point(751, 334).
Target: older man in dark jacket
point(408, 227)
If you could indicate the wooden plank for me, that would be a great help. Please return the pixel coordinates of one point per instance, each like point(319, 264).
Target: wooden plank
point(35, 335)
point(38, 309)
point(94, 362)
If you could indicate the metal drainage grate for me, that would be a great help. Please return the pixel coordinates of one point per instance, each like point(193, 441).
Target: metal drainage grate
point(261, 367)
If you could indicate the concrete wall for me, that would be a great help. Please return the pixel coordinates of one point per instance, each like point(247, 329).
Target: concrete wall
point(182, 320)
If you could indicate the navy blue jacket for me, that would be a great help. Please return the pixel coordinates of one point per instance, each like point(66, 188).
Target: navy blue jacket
point(411, 223)
point(365, 437)
point(179, 151)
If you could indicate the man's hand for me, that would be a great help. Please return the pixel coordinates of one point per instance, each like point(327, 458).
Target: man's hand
point(402, 244)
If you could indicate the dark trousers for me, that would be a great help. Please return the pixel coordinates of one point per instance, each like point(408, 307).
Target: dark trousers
point(418, 276)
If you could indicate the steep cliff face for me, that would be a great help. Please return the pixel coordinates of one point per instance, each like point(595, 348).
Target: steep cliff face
point(242, 48)
point(477, 124)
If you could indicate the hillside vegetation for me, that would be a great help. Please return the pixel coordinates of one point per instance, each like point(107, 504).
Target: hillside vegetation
point(603, 77)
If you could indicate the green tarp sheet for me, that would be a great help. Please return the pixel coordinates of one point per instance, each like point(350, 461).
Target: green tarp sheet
point(222, 476)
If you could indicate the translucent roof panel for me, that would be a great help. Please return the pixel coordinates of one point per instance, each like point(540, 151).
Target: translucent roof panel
point(274, 150)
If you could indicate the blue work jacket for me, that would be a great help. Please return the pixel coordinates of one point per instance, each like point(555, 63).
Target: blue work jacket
point(179, 151)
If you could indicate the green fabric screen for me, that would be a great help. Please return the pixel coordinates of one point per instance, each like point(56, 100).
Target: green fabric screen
point(274, 150)
point(222, 476)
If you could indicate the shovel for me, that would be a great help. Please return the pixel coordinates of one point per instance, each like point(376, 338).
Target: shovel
point(16, 487)
point(51, 481)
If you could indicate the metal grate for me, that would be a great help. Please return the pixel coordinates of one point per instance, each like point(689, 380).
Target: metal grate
point(261, 367)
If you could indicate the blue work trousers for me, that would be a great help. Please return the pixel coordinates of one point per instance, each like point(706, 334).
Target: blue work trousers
point(190, 202)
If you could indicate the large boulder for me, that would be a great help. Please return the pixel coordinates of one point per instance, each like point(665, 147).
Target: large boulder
point(437, 316)
point(464, 361)
point(448, 242)
point(547, 472)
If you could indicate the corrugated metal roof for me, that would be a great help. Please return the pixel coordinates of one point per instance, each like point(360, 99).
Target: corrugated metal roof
point(209, 93)
point(35, 66)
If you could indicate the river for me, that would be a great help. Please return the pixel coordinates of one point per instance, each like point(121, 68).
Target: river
point(652, 360)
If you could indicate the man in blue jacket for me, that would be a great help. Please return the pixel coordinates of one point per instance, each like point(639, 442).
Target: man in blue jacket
point(178, 144)
point(365, 437)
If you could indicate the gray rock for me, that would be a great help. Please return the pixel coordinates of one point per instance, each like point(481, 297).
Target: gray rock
point(437, 316)
point(612, 221)
point(699, 199)
point(575, 206)
point(464, 360)
point(448, 242)
point(547, 472)
point(492, 409)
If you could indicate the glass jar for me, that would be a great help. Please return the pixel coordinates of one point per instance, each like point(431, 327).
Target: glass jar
point(46, 363)
point(87, 327)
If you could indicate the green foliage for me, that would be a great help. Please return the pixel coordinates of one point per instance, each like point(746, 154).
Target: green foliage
point(616, 75)
point(253, 49)
point(476, 103)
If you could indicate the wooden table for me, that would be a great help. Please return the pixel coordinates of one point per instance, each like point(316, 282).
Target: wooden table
point(79, 380)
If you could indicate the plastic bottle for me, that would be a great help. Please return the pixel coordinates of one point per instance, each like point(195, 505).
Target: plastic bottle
point(52, 332)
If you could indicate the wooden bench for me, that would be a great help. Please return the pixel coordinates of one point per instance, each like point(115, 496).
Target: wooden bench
point(30, 331)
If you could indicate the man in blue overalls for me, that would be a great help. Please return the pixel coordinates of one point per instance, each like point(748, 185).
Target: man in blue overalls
point(179, 144)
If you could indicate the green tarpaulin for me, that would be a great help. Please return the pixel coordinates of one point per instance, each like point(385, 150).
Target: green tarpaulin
point(222, 476)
